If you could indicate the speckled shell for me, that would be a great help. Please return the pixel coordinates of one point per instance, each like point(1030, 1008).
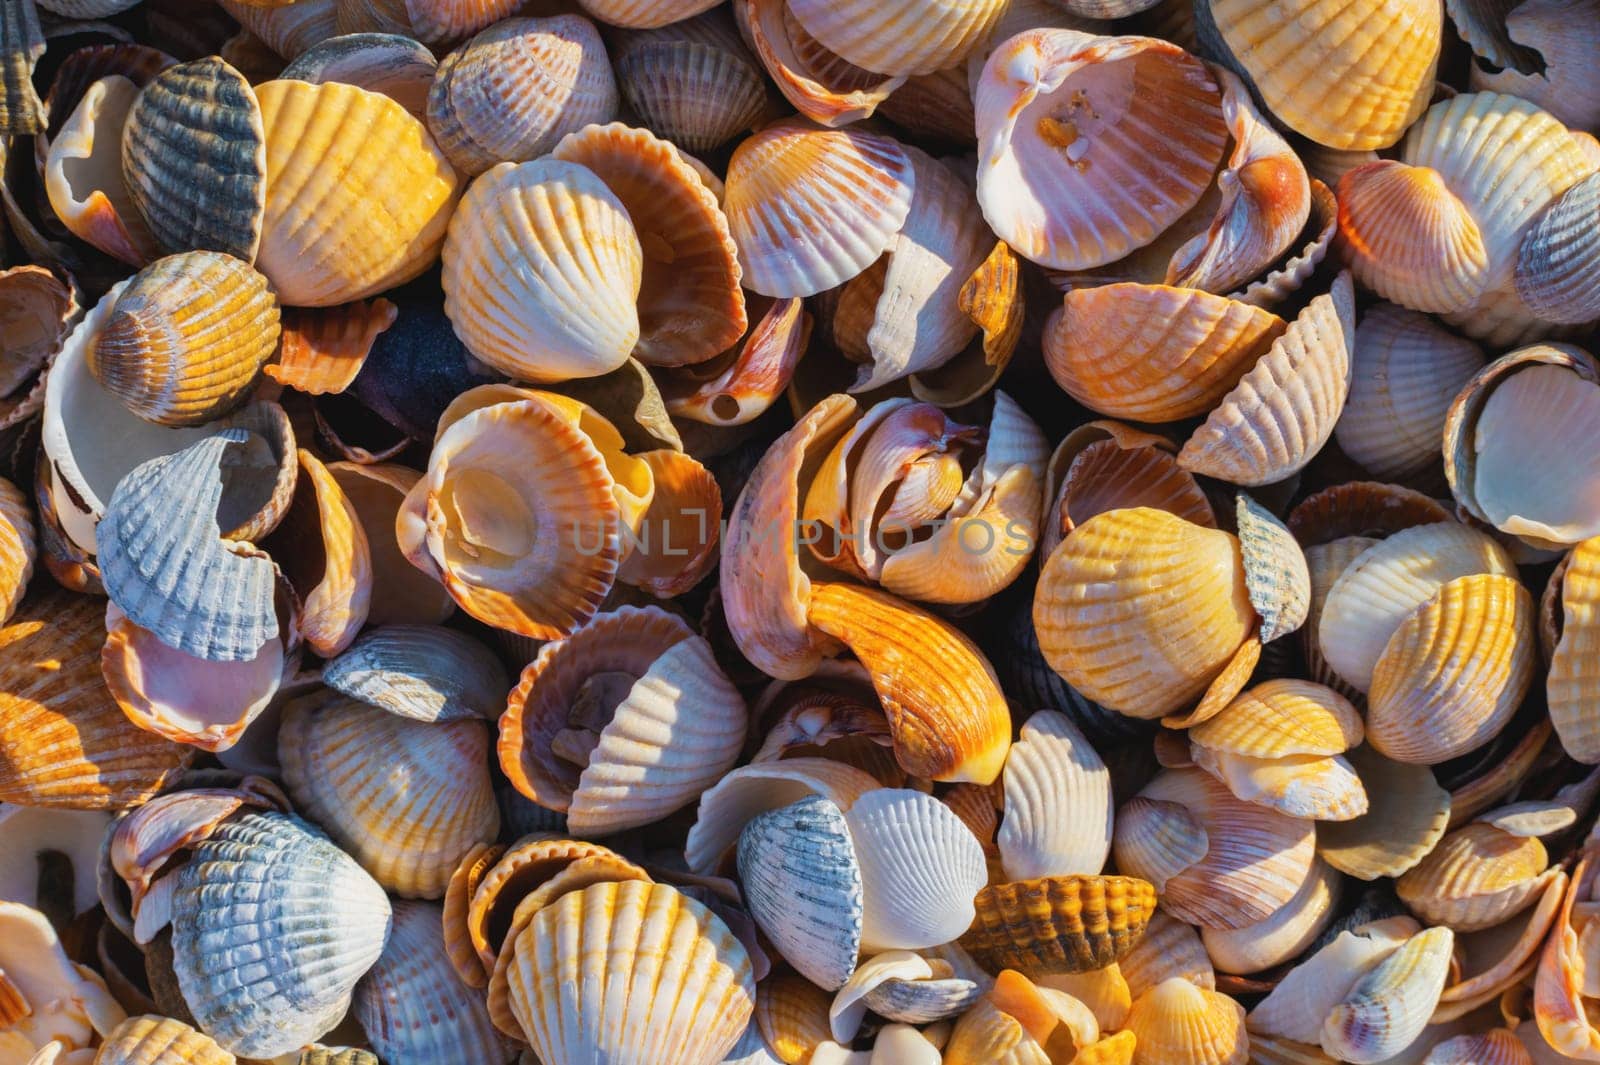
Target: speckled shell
point(382, 221)
point(1059, 924)
point(542, 272)
point(691, 83)
point(1407, 813)
point(513, 91)
point(151, 1040)
point(83, 174)
point(423, 672)
point(255, 989)
point(1057, 814)
point(680, 993)
point(1177, 1023)
point(186, 337)
point(195, 160)
point(1558, 262)
point(1275, 571)
point(398, 67)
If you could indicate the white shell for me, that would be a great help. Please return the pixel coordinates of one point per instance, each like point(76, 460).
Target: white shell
point(1297, 1008)
point(1283, 935)
point(1058, 804)
point(1389, 1007)
point(754, 789)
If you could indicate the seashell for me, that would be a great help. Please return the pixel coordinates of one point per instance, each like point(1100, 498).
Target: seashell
point(1284, 280)
point(1478, 876)
point(1557, 79)
point(1215, 860)
point(802, 884)
point(324, 349)
point(1376, 592)
point(82, 67)
point(792, 1015)
point(290, 30)
point(1056, 125)
point(992, 297)
point(326, 559)
point(1558, 260)
point(518, 230)
point(517, 88)
point(899, 38)
point(327, 1056)
point(423, 672)
point(790, 179)
point(690, 305)
point(904, 987)
point(1017, 1021)
point(49, 1000)
point(1298, 1007)
point(401, 594)
point(396, 66)
point(947, 716)
point(83, 174)
point(195, 160)
point(1389, 1006)
point(629, 398)
point(197, 593)
point(1407, 814)
point(643, 14)
point(1312, 787)
point(409, 817)
point(153, 1040)
point(21, 45)
point(1059, 924)
point(186, 338)
point(1153, 353)
point(1569, 679)
point(1175, 1021)
point(1285, 934)
point(1362, 509)
point(618, 935)
point(48, 846)
point(1057, 802)
point(1407, 369)
point(1454, 672)
point(1497, 1047)
point(691, 83)
point(822, 86)
point(254, 990)
point(1174, 605)
point(1327, 72)
point(412, 1005)
point(1104, 991)
point(17, 548)
point(680, 545)
point(1500, 957)
point(1275, 571)
point(1168, 948)
point(36, 312)
point(392, 204)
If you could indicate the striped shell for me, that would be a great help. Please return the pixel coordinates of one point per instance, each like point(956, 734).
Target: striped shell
point(151, 1040)
point(691, 83)
point(1059, 924)
point(1558, 262)
point(1057, 815)
point(423, 672)
point(824, 87)
point(899, 36)
point(398, 67)
point(1177, 1023)
point(1572, 675)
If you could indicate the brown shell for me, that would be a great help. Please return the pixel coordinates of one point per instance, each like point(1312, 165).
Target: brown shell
point(1059, 923)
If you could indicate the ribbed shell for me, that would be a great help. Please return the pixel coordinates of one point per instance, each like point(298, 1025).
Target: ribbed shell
point(542, 272)
point(1347, 75)
point(1281, 413)
point(1168, 948)
point(753, 789)
point(809, 209)
point(254, 985)
point(683, 549)
point(1326, 562)
point(1275, 572)
point(1300, 1004)
point(899, 36)
point(1285, 934)
point(792, 1015)
point(18, 548)
point(1391, 1004)
point(632, 974)
point(1408, 238)
point(513, 91)
point(346, 215)
point(1477, 877)
point(323, 349)
point(407, 799)
point(398, 67)
point(1177, 1023)
point(1497, 1047)
point(696, 93)
point(151, 1040)
point(644, 14)
point(1091, 147)
point(324, 555)
point(186, 337)
point(1575, 663)
point(414, 1009)
point(21, 45)
point(802, 885)
point(1059, 924)
point(1140, 610)
point(291, 29)
point(1152, 353)
point(1283, 717)
point(1558, 263)
point(906, 987)
point(822, 86)
point(1407, 813)
point(401, 593)
point(1057, 802)
point(424, 672)
point(331, 1056)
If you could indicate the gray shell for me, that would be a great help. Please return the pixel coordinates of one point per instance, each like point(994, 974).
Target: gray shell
point(272, 926)
point(21, 45)
point(424, 672)
point(922, 1001)
point(1558, 265)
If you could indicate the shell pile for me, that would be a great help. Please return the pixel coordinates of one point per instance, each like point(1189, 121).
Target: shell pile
point(820, 532)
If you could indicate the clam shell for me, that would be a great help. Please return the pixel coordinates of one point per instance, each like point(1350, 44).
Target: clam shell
point(1282, 717)
point(1571, 674)
point(792, 1016)
point(151, 1040)
point(254, 989)
point(384, 218)
point(823, 86)
point(423, 672)
point(195, 160)
point(681, 985)
point(1058, 125)
point(401, 594)
point(1175, 1021)
point(1454, 672)
point(1168, 948)
point(1285, 934)
point(412, 1006)
point(1477, 877)
point(1060, 923)
point(1152, 353)
point(1501, 957)
point(1497, 1047)
point(1284, 280)
point(901, 36)
point(45, 841)
point(848, 191)
point(406, 799)
point(1558, 262)
point(1299, 1006)
point(1057, 802)
point(690, 305)
point(1389, 1006)
point(514, 90)
point(992, 297)
point(186, 338)
point(396, 66)
point(904, 987)
point(691, 83)
point(1309, 786)
point(527, 239)
point(324, 349)
point(37, 312)
point(1362, 509)
point(1275, 572)
point(803, 887)
point(291, 30)
point(754, 789)
point(21, 45)
point(1407, 814)
point(1406, 236)
point(1329, 72)
point(1140, 610)
point(83, 174)
point(680, 545)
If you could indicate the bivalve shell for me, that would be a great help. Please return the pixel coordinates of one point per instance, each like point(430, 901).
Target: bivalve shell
point(753, 789)
point(1406, 236)
point(1285, 934)
point(394, 65)
point(1299, 1006)
point(1176, 1022)
point(823, 86)
point(1478, 876)
point(1407, 814)
point(1558, 263)
point(21, 45)
point(1059, 924)
point(83, 174)
point(1573, 675)
point(1057, 802)
point(691, 83)
point(1390, 1006)
point(151, 1040)
point(1019, 1023)
point(901, 36)
point(424, 672)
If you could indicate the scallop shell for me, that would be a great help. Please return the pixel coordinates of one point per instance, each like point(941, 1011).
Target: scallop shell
point(401, 594)
point(1406, 816)
point(691, 977)
point(17, 548)
point(1301, 1003)
point(1168, 948)
point(423, 672)
point(1059, 924)
point(513, 91)
point(802, 885)
point(1152, 353)
point(151, 1040)
point(406, 799)
point(1058, 124)
point(1319, 788)
point(1283, 717)
point(1558, 262)
point(396, 66)
point(1057, 802)
point(1176, 1022)
point(691, 83)
point(1389, 1006)
point(826, 88)
point(394, 194)
point(83, 174)
point(1499, 958)
point(1104, 991)
point(195, 160)
point(1478, 876)
point(526, 239)
point(690, 305)
point(1167, 595)
point(21, 45)
point(1570, 661)
point(1497, 1047)
point(412, 1006)
point(254, 989)
point(186, 338)
point(1329, 72)
point(328, 1056)
point(1285, 934)
point(853, 186)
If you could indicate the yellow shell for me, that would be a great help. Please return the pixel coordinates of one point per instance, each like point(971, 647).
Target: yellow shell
point(1059, 923)
point(644, 14)
point(324, 348)
point(1407, 814)
point(792, 1014)
point(899, 36)
point(347, 215)
point(1020, 1023)
point(1478, 876)
point(1177, 1023)
point(1282, 717)
point(150, 1040)
point(18, 548)
point(1169, 948)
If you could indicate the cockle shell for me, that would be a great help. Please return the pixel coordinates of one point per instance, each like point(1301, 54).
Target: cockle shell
point(424, 672)
point(18, 548)
point(1285, 934)
point(1558, 261)
point(1478, 876)
point(644, 14)
point(1275, 570)
point(514, 90)
point(1571, 675)
point(1059, 924)
point(680, 543)
point(1176, 1022)
point(255, 990)
point(1407, 813)
point(325, 558)
point(526, 240)
point(407, 799)
point(290, 29)
point(1499, 958)
point(151, 1040)
point(1497, 1047)
point(83, 174)
point(1389, 1006)
point(848, 192)
point(992, 297)
point(899, 37)
point(906, 987)
point(382, 221)
point(49, 1000)
point(37, 311)
point(1058, 126)
point(1300, 1005)
point(1168, 948)
point(823, 86)
point(792, 1016)
point(401, 593)
point(194, 157)
point(680, 993)
point(396, 66)
point(1057, 802)
point(21, 45)
point(693, 82)
point(761, 786)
